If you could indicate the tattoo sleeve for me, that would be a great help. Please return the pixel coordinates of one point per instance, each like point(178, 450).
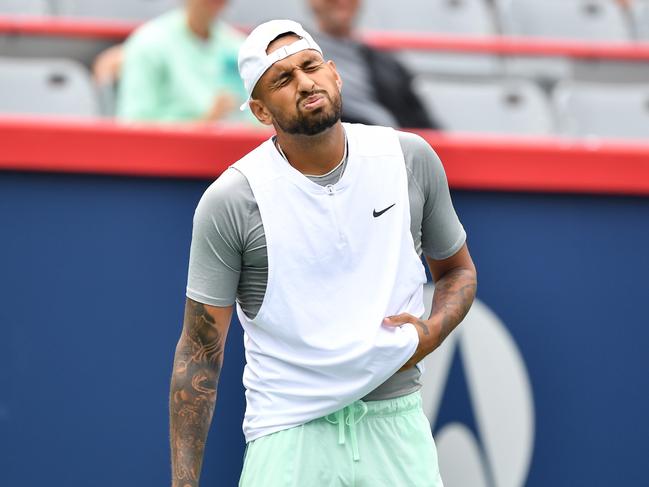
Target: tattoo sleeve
point(454, 294)
point(196, 369)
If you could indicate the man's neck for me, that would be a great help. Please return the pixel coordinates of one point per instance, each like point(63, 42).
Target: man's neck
point(314, 154)
point(199, 23)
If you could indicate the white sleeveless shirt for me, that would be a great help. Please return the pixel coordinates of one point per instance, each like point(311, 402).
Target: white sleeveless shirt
point(340, 259)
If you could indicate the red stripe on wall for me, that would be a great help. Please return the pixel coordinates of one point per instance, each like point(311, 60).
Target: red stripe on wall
point(65, 27)
point(503, 45)
point(472, 162)
point(627, 51)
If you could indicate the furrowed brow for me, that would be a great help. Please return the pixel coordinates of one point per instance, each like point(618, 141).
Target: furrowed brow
point(311, 60)
point(286, 72)
point(281, 76)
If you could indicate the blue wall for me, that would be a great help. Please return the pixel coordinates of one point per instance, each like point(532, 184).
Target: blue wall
point(92, 276)
point(568, 276)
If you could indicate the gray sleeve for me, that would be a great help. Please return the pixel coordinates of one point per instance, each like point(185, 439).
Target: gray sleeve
point(442, 234)
point(218, 240)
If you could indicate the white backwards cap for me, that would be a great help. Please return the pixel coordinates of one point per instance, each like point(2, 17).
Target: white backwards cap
point(253, 60)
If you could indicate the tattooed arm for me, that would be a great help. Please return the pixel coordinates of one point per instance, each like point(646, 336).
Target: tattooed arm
point(196, 369)
point(455, 287)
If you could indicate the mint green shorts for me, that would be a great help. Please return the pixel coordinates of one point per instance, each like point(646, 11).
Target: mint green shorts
point(366, 444)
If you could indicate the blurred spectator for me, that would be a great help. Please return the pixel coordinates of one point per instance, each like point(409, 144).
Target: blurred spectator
point(108, 65)
point(627, 7)
point(180, 66)
point(377, 88)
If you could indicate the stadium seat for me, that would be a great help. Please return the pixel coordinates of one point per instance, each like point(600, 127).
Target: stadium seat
point(587, 20)
point(512, 106)
point(594, 20)
point(46, 86)
point(471, 17)
point(454, 17)
point(26, 7)
point(602, 110)
point(82, 49)
point(452, 64)
point(249, 13)
point(640, 16)
point(608, 70)
point(114, 9)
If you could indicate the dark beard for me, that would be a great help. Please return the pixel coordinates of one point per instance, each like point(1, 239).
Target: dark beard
point(313, 123)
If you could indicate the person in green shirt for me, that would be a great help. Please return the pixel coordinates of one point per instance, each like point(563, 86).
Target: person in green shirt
point(182, 67)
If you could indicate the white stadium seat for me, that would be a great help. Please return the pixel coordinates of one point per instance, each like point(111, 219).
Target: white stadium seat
point(132, 10)
point(26, 7)
point(511, 106)
point(594, 20)
point(602, 110)
point(586, 20)
point(471, 17)
point(46, 86)
point(640, 16)
point(451, 64)
point(452, 17)
point(249, 13)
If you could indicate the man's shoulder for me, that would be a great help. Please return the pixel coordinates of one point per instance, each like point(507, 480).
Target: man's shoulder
point(372, 140)
point(155, 33)
point(229, 187)
point(422, 162)
point(413, 143)
point(256, 164)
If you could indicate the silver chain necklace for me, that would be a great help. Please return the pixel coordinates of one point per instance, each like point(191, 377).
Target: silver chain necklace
point(342, 164)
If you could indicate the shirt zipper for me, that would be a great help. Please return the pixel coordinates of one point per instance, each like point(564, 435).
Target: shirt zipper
point(331, 191)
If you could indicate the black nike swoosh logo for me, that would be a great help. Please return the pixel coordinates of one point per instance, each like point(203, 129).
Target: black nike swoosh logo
point(379, 213)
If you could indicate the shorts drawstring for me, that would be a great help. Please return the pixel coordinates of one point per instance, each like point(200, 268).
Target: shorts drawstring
point(351, 421)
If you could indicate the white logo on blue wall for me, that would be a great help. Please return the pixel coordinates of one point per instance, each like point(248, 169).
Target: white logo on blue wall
point(497, 449)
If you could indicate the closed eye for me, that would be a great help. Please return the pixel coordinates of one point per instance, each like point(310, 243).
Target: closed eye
point(311, 67)
point(283, 80)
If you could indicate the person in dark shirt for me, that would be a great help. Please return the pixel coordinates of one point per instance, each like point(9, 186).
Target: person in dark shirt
point(377, 87)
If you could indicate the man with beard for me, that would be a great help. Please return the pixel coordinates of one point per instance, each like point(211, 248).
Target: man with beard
point(316, 235)
point(378, 88)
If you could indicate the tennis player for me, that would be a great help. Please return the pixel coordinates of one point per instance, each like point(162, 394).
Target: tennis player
point(317, 236)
